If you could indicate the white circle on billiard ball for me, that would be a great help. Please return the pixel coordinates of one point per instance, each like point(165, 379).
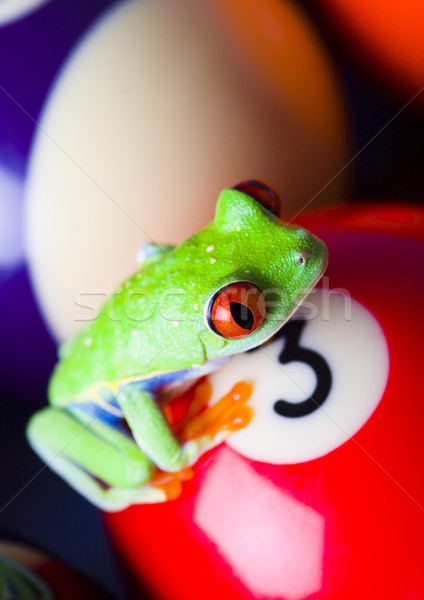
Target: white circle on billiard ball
point(344, 369)
point(12, 10)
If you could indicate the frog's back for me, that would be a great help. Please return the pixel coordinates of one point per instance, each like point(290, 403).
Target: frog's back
point(111, 348)
point(129, 339)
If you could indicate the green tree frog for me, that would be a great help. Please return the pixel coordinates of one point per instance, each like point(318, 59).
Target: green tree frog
point(189, 308)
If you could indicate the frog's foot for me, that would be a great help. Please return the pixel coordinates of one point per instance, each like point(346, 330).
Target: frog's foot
point(108, 467)
point(100, 462)
point(204, 427)
point(171, 483)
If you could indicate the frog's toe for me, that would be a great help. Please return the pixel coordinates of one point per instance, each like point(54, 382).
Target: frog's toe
point(206, 426)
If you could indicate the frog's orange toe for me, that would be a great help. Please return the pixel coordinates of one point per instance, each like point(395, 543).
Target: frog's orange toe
point(228, 414)
point(171, 483)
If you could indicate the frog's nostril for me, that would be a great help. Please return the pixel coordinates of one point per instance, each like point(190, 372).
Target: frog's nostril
point(301, 257)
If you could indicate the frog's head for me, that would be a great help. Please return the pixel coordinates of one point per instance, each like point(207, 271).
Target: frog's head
point(267, 268)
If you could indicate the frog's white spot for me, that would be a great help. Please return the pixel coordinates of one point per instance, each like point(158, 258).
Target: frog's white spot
point(175, 323)
point(196, 306)
point(134, 332)
point(210, 248)
point(88, 341)
point(236, 396)
point(213, 260)
point(238, 228)
point(247, 271)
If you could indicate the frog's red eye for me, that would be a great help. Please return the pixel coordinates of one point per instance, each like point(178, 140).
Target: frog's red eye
point(262, 193)
point(237, 310)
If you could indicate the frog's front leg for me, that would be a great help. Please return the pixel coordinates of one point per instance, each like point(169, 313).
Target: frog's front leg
point(154, 435)
point(150, 429)
point(101, 462)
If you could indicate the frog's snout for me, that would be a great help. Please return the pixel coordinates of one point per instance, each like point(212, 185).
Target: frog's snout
point(313, 249)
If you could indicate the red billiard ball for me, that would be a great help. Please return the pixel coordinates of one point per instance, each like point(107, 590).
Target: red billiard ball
point(321, 494)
